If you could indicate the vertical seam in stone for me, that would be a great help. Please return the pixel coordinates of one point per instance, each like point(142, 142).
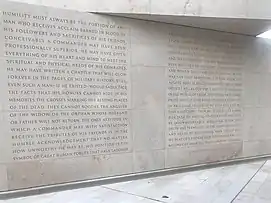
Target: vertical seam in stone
point(243, 113)
point(131, 109)
point(165, 110)
point(246, 7)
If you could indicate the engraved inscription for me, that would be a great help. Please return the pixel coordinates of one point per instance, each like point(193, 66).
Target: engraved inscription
point(204, 92)
point(67, 86)
point(59, 134)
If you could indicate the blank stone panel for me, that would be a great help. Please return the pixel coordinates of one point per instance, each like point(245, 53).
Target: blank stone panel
point(265, 84)
point(4, 84)
point(95, 166)
point(258, 56)
point(251, 93)
point(149, 33)
point(51, 171)
point(24, 174)
point(257, 122)
point(257, 148)
point(148, 119)
point(3, 178)
point(149, 55)
point(253, 82)
point(5, 141)
point(149, 88)
point(177, 157)
point(86, 96)
point(251, 124)
point(149, 160)
point(148, 130)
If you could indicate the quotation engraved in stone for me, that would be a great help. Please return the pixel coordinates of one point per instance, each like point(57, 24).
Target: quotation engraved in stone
point(68, 86)
point(204, 92)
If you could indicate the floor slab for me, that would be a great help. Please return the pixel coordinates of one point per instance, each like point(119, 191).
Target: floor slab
point(221, 184)
point(242, 183)
point(258, 189)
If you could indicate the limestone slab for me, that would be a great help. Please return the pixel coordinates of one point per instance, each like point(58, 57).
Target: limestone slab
point(148, 86)
point(149, 55)
point(148, 130)
point(259, 52)
point(257, 148)
point(5, 144)
point(183, 157)
point(149, 160)
point(251, 84)
point(100, 96)
point(148, 107)
point(3, 178)
point(24, 175)
point(257, 122)
point(76, 169)
point(149, 33)
point(265, 98)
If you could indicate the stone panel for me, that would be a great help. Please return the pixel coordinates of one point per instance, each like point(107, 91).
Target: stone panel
point(204, 93)
point(148, 130)
point(149, 160)
point(3, 178)
point(98, 96)
point(252, 84)
point(257, 148)
point(257, 122)
point(149, 55)
point(177, 157)
point(5, 143)
point(64, 134)
point(148, 87)
point(148, 33)
point(24, 174)
point(95, 166)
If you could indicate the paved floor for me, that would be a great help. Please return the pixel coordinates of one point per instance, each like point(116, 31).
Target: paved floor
point(245, 183)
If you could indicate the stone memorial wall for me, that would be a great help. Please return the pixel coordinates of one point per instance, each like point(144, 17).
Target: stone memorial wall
point(85, 96)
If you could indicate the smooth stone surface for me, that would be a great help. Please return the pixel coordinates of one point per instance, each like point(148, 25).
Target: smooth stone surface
point(3, 178)
point(86, 96)
point(214, 185)
point(149, 160)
